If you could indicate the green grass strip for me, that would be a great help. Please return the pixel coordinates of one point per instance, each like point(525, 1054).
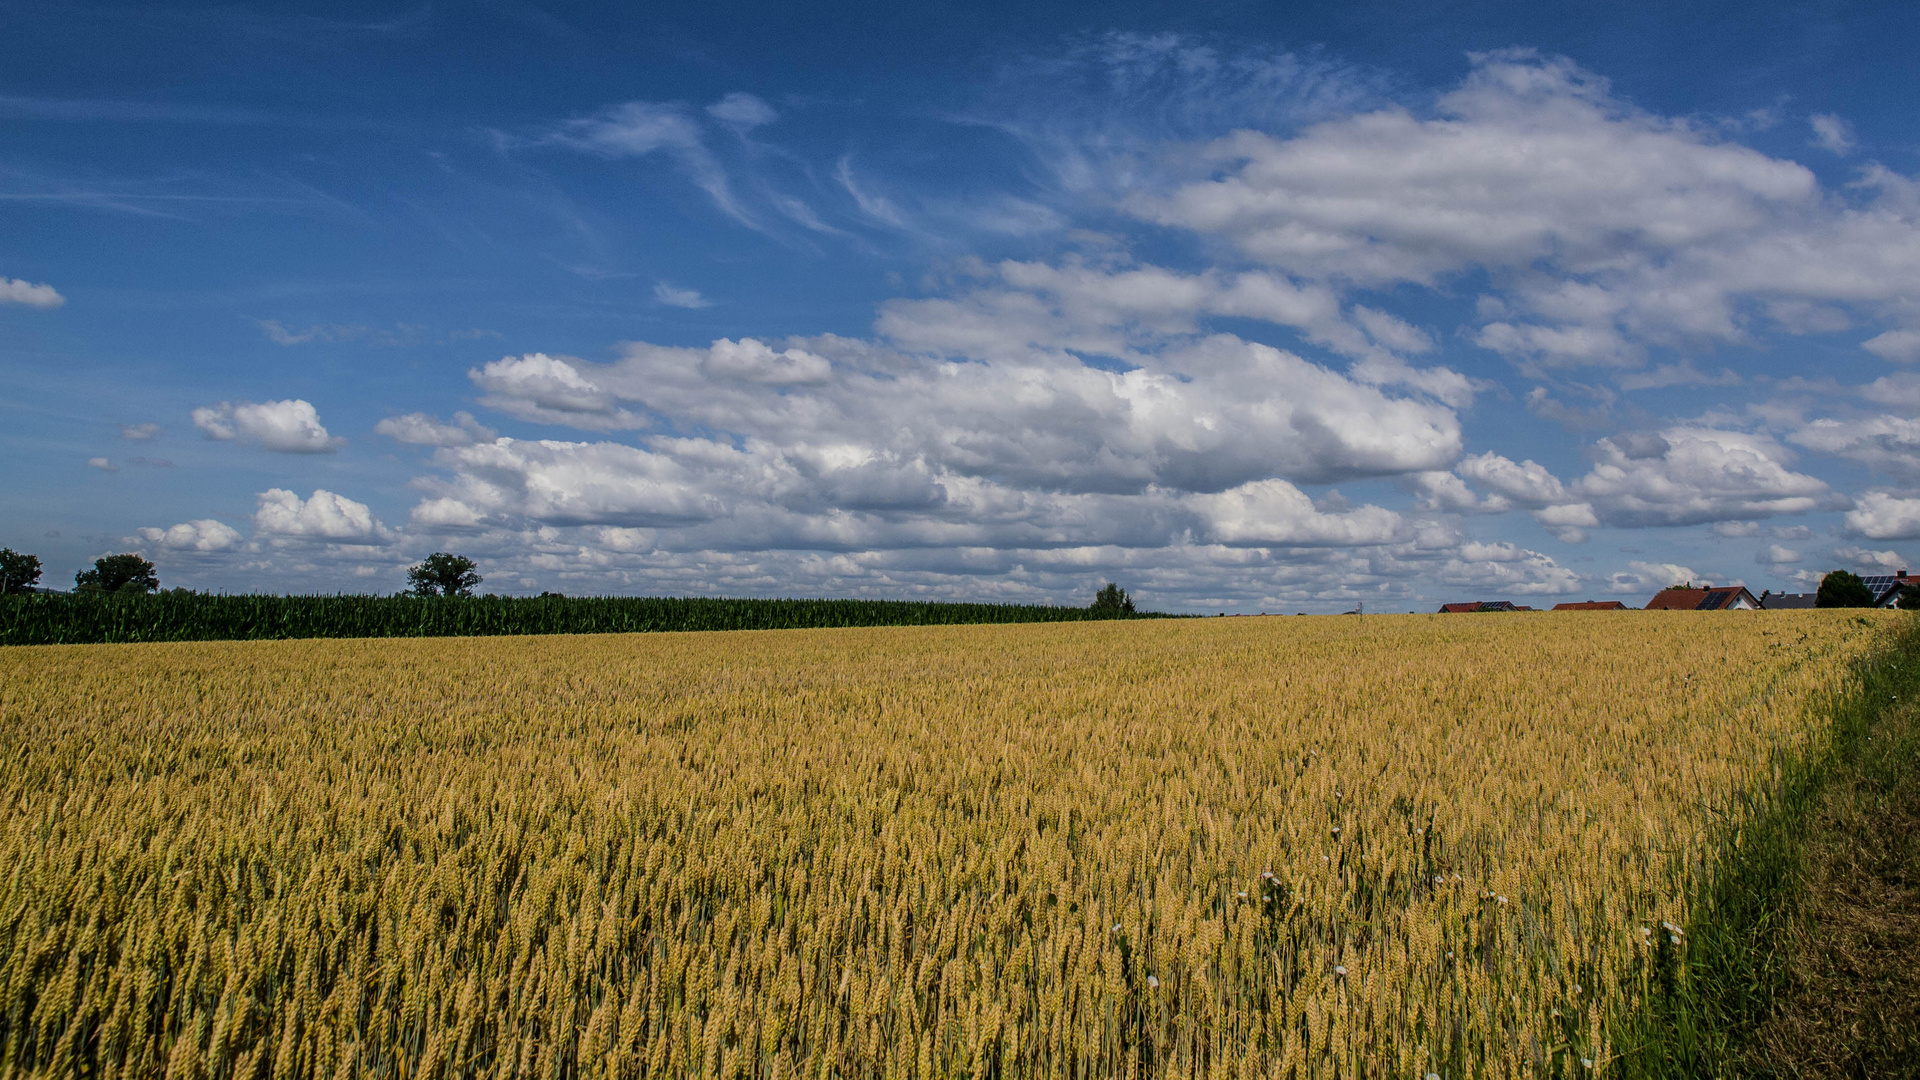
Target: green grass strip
point(1703, 1010)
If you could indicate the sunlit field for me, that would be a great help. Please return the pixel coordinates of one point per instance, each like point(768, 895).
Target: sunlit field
point(1376, 846)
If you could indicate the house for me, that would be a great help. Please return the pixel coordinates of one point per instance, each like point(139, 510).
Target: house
point(1787, 601)
point(1481, 605)
point(1707, 598)
point(1886, 587)
point(1592, 605)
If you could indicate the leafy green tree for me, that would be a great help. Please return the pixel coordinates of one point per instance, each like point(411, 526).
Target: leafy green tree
point(442, 574)
point(129, 574)
point(18, 573)
point(1909, 598)
point(1112, 600)
point(1843, 588)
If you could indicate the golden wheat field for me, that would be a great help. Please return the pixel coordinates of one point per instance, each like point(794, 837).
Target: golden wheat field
point(1378, 846)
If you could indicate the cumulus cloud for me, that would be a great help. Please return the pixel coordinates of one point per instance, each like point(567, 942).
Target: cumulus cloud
point(204, 536)
point(1778, 555)
point(1275, 513)
point(288, 427)
point(1879, 515)
point(1508, 568)
point(1602, 227)
point(419, 429)
point(1697, 475)
point(324, 516)
point(1650, 577)
point(102, 464)
point(550, 390)
point(1530, 484)
point(1212, 414)
point(139, 432)
point(1891, 443)
point(1899, 346)
point(18, 291)
point(1873, 562)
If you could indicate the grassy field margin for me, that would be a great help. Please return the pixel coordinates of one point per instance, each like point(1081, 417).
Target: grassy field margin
point(1739, 951)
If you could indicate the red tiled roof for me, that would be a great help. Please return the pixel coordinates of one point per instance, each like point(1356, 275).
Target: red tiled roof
point(1719, 599)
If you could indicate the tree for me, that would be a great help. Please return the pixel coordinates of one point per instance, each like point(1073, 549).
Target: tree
point(1112, 600)
point(442, 574)
point(127, 573)
point(18, 573)
point(1909, 598)
point(1843, 588)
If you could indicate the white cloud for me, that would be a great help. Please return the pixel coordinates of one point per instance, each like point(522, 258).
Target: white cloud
point(1650, 577)
point(1733, 529)
point(641, 128)
point(288, 427)
point(1527, 483)
point(204, 536)
point(1602, 228)
point(419, 429)
point(1778, 555)
point(1696, 475)
point(1507, 568)
point(1899, 346)
point(680, 298)
point(139, 432)
point(550, 390)
point(1884, 442)
point(1878, 515)
point(102, 464)
point(18, 291)
point(742, 111)
point(1873, 562)
point(322, 516)
point(1275, 513)
point(1831, 133)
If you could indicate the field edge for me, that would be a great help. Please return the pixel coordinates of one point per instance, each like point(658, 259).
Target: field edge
point(1739, 946)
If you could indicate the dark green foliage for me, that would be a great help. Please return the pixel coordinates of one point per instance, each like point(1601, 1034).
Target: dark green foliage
point(125, 575)
point(1909, 599)
point(443, 574)
point(1843, 588)
point(18, 573)
point(1111, 602)
point(76, 618)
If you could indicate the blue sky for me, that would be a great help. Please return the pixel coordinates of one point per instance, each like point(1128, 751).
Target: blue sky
point(1249, 307)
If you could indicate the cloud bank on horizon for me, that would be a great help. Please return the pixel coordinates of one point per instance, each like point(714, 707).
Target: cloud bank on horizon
point(1245, 330)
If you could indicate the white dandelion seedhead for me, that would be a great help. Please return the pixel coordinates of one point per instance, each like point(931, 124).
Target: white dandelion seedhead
point(1116, 928)
point(1267, 875)
point(1153, 982)
point(1340, 970)
point(1336, 830)
point(1586, 1063)
point(1242, 894)
point(1576, 988)
point(1502, 899)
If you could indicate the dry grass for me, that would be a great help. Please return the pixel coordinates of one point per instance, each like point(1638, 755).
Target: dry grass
point(1303, 847)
